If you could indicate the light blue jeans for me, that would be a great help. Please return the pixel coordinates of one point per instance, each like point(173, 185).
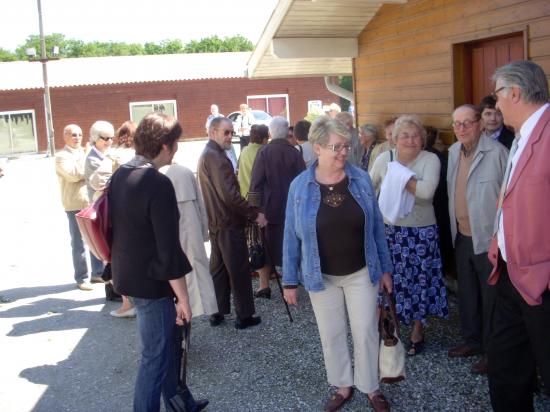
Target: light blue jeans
point(79, 252)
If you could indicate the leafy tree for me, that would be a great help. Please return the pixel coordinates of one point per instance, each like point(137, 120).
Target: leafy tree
point(7, 56)
point(55, 39)
point(77, 48)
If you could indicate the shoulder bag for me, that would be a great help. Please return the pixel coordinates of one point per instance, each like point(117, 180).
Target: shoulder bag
point(95, 227)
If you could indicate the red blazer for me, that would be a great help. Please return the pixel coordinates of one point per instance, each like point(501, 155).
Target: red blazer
point(526, 209)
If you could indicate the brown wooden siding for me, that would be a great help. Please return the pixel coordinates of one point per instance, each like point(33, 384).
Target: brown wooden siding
point(84, 105)
point(405, 53)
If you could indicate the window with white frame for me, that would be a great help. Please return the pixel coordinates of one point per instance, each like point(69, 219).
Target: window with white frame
point(17, 132)
point(274, 104)
point(138, 110)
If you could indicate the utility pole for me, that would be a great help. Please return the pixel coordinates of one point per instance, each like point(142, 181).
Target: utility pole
point(47, 102)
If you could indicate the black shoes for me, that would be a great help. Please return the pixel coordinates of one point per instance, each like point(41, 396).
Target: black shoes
point(216, 319)
point(263, 293)
point(200, 405)
point(248, 322)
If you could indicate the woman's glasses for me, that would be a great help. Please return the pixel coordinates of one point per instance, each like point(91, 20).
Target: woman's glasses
point(338, 147)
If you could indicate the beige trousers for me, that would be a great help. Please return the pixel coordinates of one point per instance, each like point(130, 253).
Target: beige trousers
point(358, 295)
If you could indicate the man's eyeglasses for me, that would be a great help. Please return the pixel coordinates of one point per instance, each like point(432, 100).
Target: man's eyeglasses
point(495, 93)
point(76, 134)
point(338, 147)
point(228, 132)
point(105, 139)
point(465, 124)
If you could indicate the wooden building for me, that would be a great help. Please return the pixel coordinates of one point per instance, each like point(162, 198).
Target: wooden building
point(422, 57)
point(120, 88)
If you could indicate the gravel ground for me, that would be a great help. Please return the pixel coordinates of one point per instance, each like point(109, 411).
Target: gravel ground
point(61, 351)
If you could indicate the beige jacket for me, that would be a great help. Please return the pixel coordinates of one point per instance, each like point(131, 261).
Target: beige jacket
point(69, 167)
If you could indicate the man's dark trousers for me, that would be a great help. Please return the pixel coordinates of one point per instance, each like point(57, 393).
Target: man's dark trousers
point(476, 299)
point(519, 343)
point(231, 272)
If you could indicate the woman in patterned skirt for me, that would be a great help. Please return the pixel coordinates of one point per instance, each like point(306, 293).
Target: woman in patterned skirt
point(412, 232)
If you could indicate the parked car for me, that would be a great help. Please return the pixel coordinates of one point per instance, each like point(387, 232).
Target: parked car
point(260, 117)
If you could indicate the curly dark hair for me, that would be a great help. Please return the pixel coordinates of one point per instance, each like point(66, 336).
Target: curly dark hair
point(154, 130)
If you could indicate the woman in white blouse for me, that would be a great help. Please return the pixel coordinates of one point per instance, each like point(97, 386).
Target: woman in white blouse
point(412, 234)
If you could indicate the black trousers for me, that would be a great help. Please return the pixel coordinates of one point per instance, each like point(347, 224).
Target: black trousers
point(476, 298)
point(520, 343)
point(230, 271)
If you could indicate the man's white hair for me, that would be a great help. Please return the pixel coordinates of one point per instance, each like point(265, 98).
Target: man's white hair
point(278, 128)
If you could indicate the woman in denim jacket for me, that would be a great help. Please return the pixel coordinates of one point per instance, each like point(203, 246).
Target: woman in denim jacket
point(334, 245)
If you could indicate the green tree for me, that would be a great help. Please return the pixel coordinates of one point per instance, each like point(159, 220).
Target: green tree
point(77, 48)
point(214, 44)
point(345, 82)
point(7, 56)
point(33, 41)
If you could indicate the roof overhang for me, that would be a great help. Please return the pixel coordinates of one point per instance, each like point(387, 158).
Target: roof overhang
point(312, 38)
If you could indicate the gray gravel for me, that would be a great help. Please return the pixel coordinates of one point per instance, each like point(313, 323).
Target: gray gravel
point(62, 351)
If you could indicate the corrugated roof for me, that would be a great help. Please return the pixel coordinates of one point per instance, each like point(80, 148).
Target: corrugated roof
point(123, 69)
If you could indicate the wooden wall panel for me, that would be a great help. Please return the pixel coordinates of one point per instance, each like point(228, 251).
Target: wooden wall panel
point(405, 62)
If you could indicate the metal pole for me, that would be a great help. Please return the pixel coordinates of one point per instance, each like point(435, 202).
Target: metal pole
point(47, 101)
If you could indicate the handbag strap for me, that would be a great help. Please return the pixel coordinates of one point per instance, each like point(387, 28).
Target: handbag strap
point(388, 297)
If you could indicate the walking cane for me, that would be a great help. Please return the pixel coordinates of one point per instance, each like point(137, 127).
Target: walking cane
point(282, 295)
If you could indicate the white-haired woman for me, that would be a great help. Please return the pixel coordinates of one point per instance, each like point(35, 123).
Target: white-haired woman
point(102, 134)
point(371, 147)
point(411, 228)
point(101, 139)
point(334, 245)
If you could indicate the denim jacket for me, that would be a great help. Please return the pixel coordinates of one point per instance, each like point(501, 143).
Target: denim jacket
point(301, 262)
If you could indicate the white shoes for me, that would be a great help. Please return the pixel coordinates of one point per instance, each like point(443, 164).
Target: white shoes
point(130, 313)
point(85, 286)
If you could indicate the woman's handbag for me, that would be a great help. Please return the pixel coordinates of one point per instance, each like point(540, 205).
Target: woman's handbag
point(256, 252)
point(93, 222)
point(391, 361)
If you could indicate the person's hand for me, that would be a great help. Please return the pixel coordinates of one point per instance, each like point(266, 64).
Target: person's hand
point(291, 296)
point(183, 313)
point(386, 282)
point(261, 220)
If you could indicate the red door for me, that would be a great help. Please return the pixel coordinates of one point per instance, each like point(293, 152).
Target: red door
point(489, 54)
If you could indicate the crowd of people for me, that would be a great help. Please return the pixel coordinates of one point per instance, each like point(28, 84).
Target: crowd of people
point(343, 213)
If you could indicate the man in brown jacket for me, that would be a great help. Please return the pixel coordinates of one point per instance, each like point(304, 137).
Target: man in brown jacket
point(69, 167)
point(227, 213)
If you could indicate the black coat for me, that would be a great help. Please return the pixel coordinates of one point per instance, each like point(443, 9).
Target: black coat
point(146, 250)
point(275, 167)
point(506, 137)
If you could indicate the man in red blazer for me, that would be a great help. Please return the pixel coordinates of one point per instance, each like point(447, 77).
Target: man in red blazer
point(520, 251)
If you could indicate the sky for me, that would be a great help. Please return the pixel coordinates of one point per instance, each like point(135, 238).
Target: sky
point(134, 21)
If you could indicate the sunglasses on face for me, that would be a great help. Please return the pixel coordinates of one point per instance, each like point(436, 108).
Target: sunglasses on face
point(105, 139)
point(228, 133)
point(76, 134)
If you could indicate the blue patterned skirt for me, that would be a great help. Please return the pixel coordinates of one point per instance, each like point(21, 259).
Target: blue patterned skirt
point(418, 285)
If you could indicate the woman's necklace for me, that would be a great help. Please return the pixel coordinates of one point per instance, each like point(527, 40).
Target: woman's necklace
point(332, 197)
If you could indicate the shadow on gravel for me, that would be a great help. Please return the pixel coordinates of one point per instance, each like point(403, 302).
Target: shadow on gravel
point(276, 366)
point(11, 295)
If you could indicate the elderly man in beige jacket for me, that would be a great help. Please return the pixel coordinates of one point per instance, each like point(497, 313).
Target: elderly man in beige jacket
point(69, 167)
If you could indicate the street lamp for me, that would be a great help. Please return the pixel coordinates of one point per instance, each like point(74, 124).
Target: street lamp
point(31, 54)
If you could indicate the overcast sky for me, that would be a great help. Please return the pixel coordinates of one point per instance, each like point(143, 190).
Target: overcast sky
point(134, 21)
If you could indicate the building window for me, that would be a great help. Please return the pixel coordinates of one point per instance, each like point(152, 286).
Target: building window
point(17, 132)
point(138, 110)
point(274, 104)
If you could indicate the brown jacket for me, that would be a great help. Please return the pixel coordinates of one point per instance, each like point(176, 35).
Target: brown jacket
point(225, 207)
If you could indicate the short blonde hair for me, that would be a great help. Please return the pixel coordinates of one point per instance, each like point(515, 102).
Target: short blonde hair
point(408, 120)
point(323, 127)
point(243, 106)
